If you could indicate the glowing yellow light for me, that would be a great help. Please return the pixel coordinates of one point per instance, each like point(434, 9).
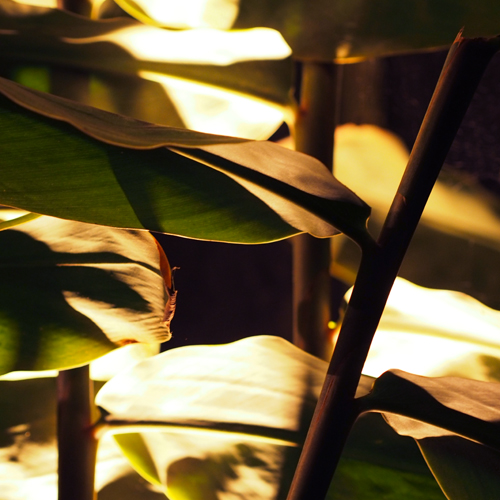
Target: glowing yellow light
point(204, 46)
point(332, 325)
point(219, 14)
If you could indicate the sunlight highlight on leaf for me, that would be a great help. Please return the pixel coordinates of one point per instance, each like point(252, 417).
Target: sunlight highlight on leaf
point(103, 368)
point(210, 109)
point(435, 333)
point(195, 46)
point(218, 14)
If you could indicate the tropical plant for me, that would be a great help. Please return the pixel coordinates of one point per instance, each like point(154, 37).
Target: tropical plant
point(105, 137)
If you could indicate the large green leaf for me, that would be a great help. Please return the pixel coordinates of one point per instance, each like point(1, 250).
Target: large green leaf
point(234, 83)
point(206, 412)
point(71, 292)
point(436, 412)
point(337, 29)
point(47, 165)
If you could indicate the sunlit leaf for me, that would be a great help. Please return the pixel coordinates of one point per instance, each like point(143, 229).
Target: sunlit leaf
point(161, 189)
point(436, 333)
point(220, 412)
point(436, 412)
point(71, 292)
point(234, 83)
point(336, 29)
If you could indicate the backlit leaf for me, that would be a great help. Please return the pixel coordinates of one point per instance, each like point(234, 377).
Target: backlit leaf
point(162, 189)
point(71, 292)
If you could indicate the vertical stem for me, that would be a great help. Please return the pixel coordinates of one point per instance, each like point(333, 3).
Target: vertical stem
point(76, 441)
point(335, 412)
point(315, 127)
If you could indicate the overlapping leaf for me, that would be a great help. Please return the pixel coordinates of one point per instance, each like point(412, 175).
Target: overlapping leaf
point(71, 292)
point(234, 83)
point(337, 29)
point(51, 168)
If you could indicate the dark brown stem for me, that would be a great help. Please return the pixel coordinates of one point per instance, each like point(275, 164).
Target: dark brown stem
point(77, 444)
point(311, 256)
point(335, 412)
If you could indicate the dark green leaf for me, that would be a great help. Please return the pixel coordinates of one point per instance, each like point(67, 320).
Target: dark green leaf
point(71, 292)
point(160, 189)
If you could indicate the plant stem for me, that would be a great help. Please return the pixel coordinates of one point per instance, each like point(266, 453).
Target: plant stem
point(77, 443)
point(335, 412)
point(315, 127)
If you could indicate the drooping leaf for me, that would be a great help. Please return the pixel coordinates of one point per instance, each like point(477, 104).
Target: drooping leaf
point(337, 29)
point(162, 189)
point(71, 292)
point(235, 83)
point(436, 333)
point(436, 412)
point(424, 407)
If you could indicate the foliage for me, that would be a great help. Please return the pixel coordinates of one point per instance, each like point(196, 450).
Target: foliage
point(104, 138)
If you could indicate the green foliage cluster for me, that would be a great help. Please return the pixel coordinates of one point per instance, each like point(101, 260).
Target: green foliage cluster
point(104, 138)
